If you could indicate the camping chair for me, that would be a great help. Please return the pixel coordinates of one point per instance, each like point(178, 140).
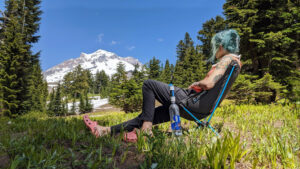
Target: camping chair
point(212, 97)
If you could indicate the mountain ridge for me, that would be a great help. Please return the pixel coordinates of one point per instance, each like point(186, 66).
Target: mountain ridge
point(96, 61)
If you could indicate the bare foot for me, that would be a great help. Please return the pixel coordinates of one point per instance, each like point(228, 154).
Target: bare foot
point(101, 131)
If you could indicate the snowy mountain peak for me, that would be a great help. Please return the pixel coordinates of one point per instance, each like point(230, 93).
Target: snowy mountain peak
point(96, 61)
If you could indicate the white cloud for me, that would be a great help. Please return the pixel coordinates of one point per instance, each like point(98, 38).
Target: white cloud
point(113, 42)
point(100, 37)
point(160, 39)
point(131, 47)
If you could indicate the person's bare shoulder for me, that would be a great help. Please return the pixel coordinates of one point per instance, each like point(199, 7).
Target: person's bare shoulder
point(224, 62)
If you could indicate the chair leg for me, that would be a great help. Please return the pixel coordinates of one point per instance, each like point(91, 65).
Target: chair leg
point(202, 123)
point(206, 124)
point(218, 135)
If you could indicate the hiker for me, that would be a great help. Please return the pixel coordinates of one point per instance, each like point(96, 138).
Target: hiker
point(225, 47)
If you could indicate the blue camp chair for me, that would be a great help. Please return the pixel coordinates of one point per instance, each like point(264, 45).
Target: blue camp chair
point(211, 97)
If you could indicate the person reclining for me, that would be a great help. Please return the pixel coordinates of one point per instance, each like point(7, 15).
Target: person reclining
point(225, 47)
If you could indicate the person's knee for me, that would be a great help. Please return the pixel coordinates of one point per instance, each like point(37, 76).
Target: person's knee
point(147, 82)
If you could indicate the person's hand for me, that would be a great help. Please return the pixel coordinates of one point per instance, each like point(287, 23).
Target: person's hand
point(194, 84)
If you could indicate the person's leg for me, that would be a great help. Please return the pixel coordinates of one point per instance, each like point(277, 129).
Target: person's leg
point(152, 90)
point(161, 115)
point(161, 92)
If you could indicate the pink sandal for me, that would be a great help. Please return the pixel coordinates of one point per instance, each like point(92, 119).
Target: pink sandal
point(90, 124)
point(130, 137)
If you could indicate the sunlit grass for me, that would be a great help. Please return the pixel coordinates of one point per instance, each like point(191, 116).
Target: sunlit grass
point(253, 136)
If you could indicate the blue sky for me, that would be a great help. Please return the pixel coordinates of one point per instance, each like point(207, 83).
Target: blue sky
point(141, 29)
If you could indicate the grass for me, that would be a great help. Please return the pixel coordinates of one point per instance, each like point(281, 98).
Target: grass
point(253, 136)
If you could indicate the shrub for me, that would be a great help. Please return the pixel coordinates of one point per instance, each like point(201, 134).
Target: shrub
point(266, 90)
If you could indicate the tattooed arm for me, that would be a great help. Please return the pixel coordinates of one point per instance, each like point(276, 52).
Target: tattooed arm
point(210, 81)
point(219, 72)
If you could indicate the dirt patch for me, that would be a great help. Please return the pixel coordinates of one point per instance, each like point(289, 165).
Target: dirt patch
point(231, 126)
point(278, 124)
point(128, 156)
point(4, 161)
point(243, 165)
point(107, 108)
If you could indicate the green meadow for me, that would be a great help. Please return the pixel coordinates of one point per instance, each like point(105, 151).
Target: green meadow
point(252, 136)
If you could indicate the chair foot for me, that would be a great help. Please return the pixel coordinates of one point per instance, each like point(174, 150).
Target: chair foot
point(206, 124)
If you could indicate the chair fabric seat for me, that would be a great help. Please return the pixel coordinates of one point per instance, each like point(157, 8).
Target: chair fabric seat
point(201, 104)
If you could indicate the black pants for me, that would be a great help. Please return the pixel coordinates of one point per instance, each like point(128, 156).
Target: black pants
point(160, 91)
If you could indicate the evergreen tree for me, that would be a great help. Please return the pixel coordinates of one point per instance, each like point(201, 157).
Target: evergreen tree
point(120, 75)
point(15, 61)
point(31, 16)
point(58, 106)
point(90, 80)
point(266, 90)
point(166, 73)
point(190, 65)
point(97, 83)
point(242, 90)
point(77, 82)
point(116, 84)
point(88, 104)
point(183, 45)
point(154, 68)
point(101, 83)
point(38, 89)
point(269, 37)
point(81, 104)
point(73, 108)
point(131, 99)
point(139, 75)
point(50, 106)
point(19, 23)
point(66, 108)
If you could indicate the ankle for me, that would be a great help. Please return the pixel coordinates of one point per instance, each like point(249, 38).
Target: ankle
point(108, 129)
point(147, 127)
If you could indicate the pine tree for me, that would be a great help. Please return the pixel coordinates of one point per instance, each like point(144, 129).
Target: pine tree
point(81, 104)
point(183, 69)
point(77, 82)
point(269, 37)
point(166, 73)
point(139, 74)
point(242, 90)
point(73, 108)
point(101, 83)
point(15, 70)
point(154, 68)
point(38, 89)
point(266, 90)
point(19, 24)
point(116, 91)
point(66, 108)
point(131, 97)
point(88, 104)
point(58, 106)
point(50, 106)
point(29, 12)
